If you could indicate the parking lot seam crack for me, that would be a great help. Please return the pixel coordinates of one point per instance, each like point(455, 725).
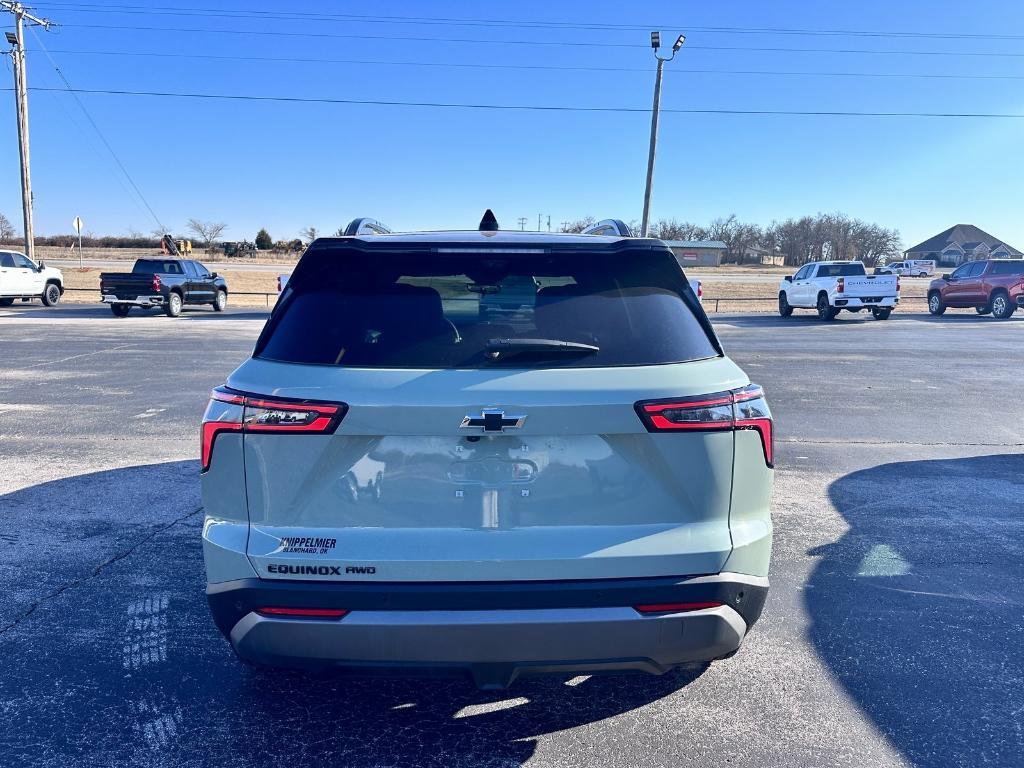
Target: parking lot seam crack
point(97, 570)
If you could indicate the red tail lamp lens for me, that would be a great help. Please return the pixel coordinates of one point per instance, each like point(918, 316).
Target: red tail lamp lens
point(675, 607)
point(303, 613)
point(722, 411)
point(231, 411)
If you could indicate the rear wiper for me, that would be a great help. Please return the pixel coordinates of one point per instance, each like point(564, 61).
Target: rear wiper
point(498, 348)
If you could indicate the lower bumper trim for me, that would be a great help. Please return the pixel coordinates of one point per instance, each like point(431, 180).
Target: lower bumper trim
point(491, 631)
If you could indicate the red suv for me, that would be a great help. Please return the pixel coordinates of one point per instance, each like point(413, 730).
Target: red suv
point(993, 285)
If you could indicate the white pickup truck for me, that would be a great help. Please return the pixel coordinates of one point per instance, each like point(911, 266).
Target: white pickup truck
point(21, 278)
point(911, 268)
point(832, 286)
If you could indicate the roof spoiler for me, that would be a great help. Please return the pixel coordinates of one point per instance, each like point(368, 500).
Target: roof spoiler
point(366, 226)
point(611, 227)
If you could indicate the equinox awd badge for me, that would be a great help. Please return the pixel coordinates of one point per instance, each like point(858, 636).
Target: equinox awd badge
point(492, 420)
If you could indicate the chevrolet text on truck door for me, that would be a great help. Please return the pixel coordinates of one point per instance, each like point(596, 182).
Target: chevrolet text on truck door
point(832, 286)
point(401, 476)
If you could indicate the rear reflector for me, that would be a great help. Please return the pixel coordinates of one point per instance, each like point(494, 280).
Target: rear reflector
point(674, 607)
point(722, 411)
point(303, 613)
point(231, 411)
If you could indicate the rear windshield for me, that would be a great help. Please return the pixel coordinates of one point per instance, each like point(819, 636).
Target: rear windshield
point(150, 267)
point(1007, 268)
point(842, 270)
point(439, 310)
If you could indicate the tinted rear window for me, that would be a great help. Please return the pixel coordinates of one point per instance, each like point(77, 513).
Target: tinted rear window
point(1007, 268)
point(155, 267)
point(435, 310)
point(842, 270)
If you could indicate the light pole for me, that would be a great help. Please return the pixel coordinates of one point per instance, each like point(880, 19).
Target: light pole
point(17, 53)
point(655, 111)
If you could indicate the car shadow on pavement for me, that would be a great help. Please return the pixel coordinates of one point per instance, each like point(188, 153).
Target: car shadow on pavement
point(115, 659)
point(917, 609)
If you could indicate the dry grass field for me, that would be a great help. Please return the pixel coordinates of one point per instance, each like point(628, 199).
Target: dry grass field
point(719, 296)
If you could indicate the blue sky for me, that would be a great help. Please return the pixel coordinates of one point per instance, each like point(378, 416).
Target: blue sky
point(286, 166)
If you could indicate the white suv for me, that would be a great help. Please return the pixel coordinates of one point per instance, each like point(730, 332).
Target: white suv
point(402, 477)
point(22, 278)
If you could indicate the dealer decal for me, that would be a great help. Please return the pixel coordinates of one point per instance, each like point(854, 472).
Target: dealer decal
point(307, 545)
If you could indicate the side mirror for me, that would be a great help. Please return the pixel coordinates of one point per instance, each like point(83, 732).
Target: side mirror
point(947, 276)
point(213, 274)
point(41, 267)
point(788, 278)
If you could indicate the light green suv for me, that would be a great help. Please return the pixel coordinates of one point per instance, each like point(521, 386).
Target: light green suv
point(397, 479)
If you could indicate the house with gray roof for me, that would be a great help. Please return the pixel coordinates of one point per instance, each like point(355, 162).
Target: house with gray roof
point(963, 242)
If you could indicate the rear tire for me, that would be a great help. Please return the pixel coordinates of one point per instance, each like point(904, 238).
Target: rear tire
point(826, 312)
point(785, 310)
point(1001, 306)
point(935, 304)
point(120, 310)
point(220, 302)
point(173, 305)
point(51, 294)
point(881, 313)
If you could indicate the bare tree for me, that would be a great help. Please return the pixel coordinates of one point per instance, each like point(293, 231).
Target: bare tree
point(310, 233)
point(670, 229)
point(6, 229)
point(134, 234)
point(577, 226)
point(207, 231)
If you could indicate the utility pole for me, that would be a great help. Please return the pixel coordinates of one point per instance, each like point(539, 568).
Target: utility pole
point(17, 52)
point(655, 114)
point(522, 222)
point(549, 222)
point(538, 221)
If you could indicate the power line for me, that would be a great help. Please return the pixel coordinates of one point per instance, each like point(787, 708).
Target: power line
point(511, 23)
point(74, 93)
point(583, 44)
point(532, 107)
point(529, 67)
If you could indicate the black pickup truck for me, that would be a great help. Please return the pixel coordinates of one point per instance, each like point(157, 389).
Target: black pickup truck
point(163, 282)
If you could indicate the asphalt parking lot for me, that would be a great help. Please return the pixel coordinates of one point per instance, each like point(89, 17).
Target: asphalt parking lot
point(892, 635)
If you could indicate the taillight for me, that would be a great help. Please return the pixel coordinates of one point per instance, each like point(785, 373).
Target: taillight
point(722, 411)
point(897, 283)
point(841, 284)
point(230, 411)
point(156, 283)
point(700, 290)
point(278, 283)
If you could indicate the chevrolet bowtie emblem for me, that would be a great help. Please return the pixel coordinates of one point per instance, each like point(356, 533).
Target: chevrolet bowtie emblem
point(492, 420)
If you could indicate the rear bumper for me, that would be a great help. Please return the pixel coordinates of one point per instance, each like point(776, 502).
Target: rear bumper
point(491, 631)
point(140, 301)
point(849, 302)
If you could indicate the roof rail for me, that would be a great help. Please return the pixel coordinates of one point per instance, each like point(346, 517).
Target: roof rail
point(609, 227)
point(366, 226)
